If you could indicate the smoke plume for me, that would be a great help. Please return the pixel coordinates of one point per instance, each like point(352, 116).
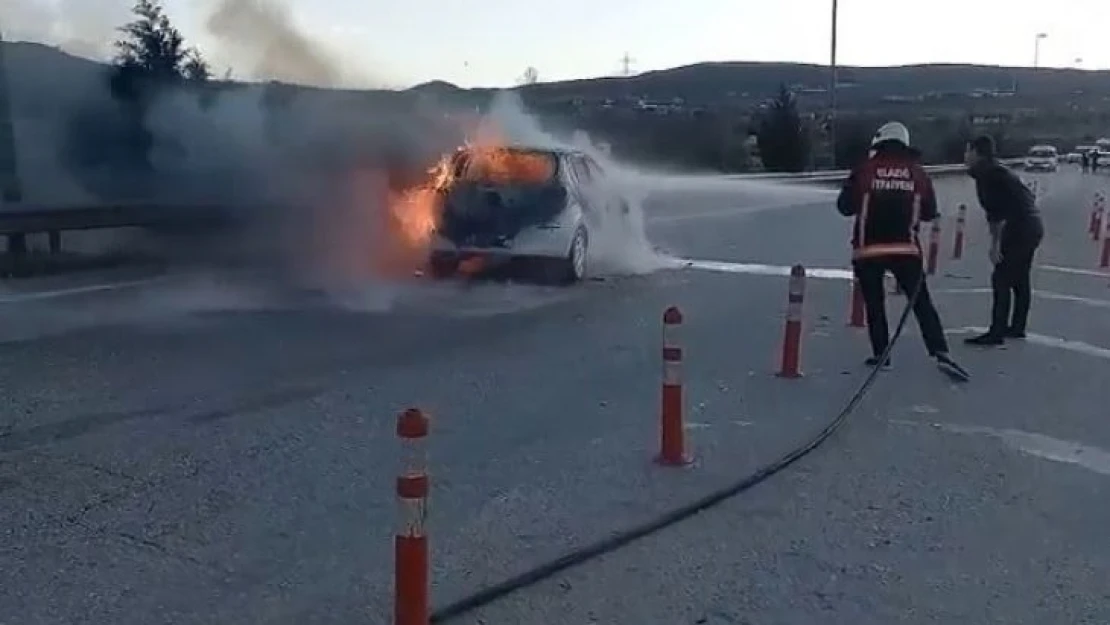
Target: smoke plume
point(78, 26)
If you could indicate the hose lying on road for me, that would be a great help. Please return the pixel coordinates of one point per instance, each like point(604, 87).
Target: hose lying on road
point(621, 539)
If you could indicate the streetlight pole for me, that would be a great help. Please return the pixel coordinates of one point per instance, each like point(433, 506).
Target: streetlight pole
point(833, 80)
point(1037, 50)
point(10, 189)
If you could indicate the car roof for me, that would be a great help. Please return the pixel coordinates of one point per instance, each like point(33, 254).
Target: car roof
point(555, 151)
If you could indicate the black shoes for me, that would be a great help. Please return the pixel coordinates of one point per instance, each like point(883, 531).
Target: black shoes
point(990, 339)
point(944, 362)
point(874, 361)
point(951, 368)
point(993, 339)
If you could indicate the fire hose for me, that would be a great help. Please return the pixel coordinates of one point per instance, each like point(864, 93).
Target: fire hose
point(629, 535)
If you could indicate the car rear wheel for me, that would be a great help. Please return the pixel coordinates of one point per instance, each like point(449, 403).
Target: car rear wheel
point(570, 269)
point(575, 265)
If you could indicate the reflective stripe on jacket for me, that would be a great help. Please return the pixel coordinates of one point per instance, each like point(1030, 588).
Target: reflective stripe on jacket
point(889, 195)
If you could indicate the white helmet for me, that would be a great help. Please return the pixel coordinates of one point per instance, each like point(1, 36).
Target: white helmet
point(892, 131)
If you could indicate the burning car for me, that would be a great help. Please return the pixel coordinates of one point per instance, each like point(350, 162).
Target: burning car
point(521, 206)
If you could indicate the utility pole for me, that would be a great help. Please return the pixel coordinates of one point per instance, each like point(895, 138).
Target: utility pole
point(833, 82)
point(626, 65)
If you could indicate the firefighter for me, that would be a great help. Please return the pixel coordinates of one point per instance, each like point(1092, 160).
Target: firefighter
point(889, 194)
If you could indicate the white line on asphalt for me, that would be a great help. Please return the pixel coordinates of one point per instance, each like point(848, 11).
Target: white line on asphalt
point(1063, 297)
point(1078, 347)
point(846, 274)
point(1077, 272)
point(761, 270)
point(31, 296)
point(727, 212)
point(1086, 456)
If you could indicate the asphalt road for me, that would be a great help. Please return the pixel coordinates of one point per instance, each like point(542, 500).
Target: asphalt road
point(197, 449)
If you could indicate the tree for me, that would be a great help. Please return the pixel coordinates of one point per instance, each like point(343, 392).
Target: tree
point(853, 139)
point(955, 143)
point(151, 57)
point(531, 76)
point(153, 54)
point(783, 143)
point(195, 68)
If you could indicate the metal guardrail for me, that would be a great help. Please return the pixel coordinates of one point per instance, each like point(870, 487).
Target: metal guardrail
point(30, 219)
point(19, 220)
point(840, 174)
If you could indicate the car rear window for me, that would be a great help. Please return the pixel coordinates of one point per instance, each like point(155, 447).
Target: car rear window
point(508, 166)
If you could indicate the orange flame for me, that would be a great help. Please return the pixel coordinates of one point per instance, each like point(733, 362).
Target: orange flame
point(414, 212)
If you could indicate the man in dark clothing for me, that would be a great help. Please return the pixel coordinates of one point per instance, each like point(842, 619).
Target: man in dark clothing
point(889, 194)
point(1016, 232)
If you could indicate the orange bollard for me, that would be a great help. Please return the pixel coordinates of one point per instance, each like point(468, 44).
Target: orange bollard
point(411, 579)
point(961, 223)
point(792, 338)
point(672, 443)
point(858, 316)
point(934, 246)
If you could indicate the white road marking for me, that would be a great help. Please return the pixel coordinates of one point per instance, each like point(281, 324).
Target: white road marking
point(1086, 456)
point(760, 269)
point(1078, 347)
point(1077, 272)
point(32, 296)
point(726, 212)
point(1063, 297)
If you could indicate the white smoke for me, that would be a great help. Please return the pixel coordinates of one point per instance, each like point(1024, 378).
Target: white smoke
point(82, 27)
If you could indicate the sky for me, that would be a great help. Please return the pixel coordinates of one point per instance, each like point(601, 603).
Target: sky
point(492, 42)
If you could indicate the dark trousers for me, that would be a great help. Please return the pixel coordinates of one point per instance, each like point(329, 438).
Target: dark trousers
point(908, 271)
point(1011, 282)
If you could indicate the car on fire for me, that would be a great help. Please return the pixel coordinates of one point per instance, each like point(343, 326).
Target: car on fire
point(522, 207)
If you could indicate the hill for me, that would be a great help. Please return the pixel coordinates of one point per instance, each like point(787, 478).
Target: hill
point(37, 71)
point(74, 141)
point(719, 82)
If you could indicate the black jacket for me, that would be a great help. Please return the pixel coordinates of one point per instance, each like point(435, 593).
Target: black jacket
point(1005, 198)
point(889, 194)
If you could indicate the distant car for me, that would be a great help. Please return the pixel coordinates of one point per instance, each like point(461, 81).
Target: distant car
point(526, 207)
point(1073, 158)
point(1042, 158)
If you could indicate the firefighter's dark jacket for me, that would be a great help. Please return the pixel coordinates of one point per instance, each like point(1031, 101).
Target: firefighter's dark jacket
point(889, 195)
